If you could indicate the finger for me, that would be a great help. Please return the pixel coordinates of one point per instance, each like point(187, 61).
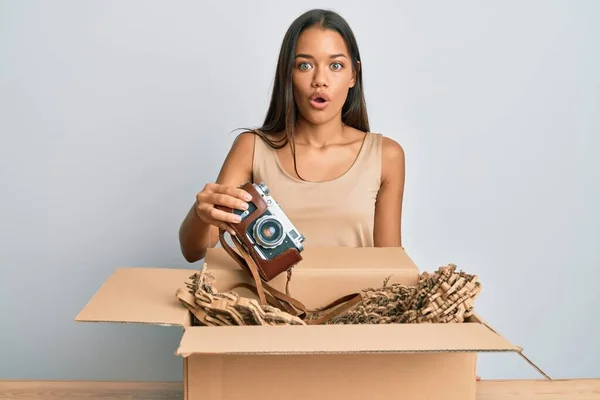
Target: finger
point(226, 227)
point(210, 187)
point(204, 197)
point(201, 211)
point(234, 192)
point(228, 201)
point(220, 215)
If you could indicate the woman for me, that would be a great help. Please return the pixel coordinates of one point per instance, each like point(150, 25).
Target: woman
point(339, 184)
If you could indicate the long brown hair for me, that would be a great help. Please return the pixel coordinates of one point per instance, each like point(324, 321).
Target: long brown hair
point(282, 113)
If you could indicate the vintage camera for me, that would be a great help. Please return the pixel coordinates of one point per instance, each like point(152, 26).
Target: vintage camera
point(271, 232)
point(266, 233)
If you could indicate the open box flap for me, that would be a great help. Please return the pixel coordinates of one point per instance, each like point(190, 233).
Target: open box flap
point(328, 258)
point(332, 339)
point(479, 319)
point(139, 295)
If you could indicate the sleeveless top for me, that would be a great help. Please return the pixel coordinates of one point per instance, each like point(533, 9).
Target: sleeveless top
point(338, 212)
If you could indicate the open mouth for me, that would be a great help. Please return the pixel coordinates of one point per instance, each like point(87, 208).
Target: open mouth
point(319, 101)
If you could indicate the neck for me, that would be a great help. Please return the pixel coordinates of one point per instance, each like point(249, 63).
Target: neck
point(318, 135)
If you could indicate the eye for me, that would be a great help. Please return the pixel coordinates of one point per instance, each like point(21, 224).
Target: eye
point(336, 66)
point(304, 66)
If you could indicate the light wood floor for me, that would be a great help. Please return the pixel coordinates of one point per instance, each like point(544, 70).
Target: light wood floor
point(579, 389)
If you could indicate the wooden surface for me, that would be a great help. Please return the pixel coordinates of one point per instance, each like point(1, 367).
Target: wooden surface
point(580, 389)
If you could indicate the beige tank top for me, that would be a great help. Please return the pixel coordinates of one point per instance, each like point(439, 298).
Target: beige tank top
point(338, 212)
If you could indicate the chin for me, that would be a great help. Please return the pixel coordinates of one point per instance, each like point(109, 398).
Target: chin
point(317, 120)
point(317, 117)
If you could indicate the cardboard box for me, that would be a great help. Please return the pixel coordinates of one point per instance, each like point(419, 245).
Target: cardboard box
point(415, 361)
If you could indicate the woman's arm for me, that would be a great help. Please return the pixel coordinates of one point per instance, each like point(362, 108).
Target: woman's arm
point(195, 235)
point(388, 208)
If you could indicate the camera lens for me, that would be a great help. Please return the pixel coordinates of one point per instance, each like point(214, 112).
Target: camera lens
point(268, 232)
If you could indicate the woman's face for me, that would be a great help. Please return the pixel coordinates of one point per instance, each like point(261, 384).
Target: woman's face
point(322, 74)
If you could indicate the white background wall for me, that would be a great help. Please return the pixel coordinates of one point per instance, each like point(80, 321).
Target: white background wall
point(113, 114)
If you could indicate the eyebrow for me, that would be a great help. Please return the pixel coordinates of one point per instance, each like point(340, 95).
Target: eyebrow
point(302, 55)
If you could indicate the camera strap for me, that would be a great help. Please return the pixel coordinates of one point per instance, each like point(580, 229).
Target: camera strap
point(269, 295)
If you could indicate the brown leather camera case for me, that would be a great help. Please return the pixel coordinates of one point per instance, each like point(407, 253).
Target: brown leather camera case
point(268, 269)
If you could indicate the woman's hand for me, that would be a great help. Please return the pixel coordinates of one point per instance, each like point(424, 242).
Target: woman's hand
point(223, 195)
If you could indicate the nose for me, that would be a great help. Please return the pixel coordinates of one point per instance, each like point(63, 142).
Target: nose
point(319, 78)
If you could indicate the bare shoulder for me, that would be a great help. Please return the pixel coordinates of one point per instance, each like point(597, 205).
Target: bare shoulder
point(244, 142)
point(388, 211)
point(392, 158)
point(242, 149)
point(237, 167)
point(392, 151)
